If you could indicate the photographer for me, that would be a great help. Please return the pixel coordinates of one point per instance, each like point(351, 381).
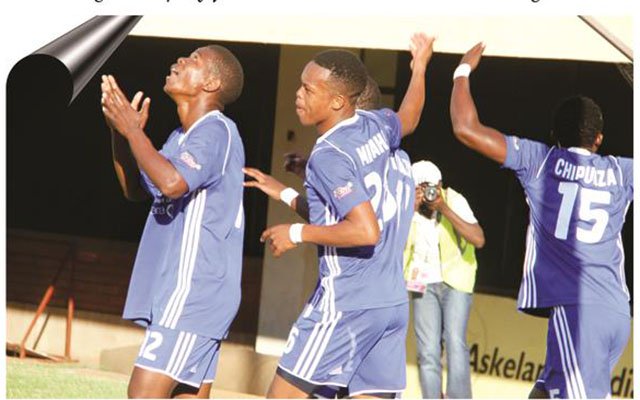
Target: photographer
point(440, 268)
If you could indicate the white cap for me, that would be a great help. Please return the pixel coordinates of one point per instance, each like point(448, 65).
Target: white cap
point(426, 171)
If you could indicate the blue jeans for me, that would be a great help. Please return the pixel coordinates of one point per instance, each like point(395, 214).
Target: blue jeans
point(442, 312)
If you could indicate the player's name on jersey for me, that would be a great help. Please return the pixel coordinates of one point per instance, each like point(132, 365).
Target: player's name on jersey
point(374, 147)
point(587, 174)
point(401, 165)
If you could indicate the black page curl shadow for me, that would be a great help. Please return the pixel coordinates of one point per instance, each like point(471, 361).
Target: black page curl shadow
point(41, 149)
point(57, 72)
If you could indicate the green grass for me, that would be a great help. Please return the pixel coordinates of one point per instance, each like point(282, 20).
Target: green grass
point(45, 380)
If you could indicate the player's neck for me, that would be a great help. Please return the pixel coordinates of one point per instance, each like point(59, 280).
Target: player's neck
point(189, 111)
point(325, 125)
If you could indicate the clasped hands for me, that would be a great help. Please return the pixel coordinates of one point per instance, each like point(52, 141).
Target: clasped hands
point(122, 115)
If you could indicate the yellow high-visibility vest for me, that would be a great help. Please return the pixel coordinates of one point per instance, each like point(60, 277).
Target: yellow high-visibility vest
point(457, 256)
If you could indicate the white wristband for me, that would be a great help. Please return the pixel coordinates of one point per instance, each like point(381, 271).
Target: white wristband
point(462, 70)
point(295, 233)
point(287, 195)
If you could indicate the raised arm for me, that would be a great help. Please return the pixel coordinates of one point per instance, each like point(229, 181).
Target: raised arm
point(413, 102)
point(467, 127)
point(129, 122)
point(124, 164)
point(359, 228)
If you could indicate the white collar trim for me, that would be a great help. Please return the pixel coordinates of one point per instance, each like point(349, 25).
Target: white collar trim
point(344, 122)
point(183, 135)
point(579, 150)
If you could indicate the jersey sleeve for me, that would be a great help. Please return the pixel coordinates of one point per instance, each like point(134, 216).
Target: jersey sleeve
point(333, 175)
point(390, 126)
point(524, 157)
point(460, 206)
point(203, 155)
point(148, 186)
point(145, 181)
point(626, 168)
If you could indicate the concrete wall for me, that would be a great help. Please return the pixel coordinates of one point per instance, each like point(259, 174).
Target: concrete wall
point(92, 333)
point(289, 280)
point(109, 343)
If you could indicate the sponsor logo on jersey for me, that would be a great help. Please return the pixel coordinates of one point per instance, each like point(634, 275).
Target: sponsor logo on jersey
point(163, 206)
point(190, 161)
point(342, 191)
point(336, 371)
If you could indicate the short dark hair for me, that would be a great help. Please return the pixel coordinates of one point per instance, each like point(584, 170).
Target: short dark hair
point(576, 122)
point(346, 69)
point(228, 68)
point(370, 97)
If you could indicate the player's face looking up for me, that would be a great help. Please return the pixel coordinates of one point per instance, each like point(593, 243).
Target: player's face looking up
point(193, 74)
point(316, 98)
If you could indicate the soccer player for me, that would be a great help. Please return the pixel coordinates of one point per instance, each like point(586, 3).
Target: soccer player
point(185, 285)
point(352, 332)
point(399, 177)
point(574, 261)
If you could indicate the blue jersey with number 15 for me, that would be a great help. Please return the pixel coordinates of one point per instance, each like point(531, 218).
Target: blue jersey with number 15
point(578, 201)
point(350, 164)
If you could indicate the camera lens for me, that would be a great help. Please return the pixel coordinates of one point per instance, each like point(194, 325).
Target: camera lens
point(430, 193)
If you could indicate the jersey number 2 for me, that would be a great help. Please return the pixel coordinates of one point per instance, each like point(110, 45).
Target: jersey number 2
point(152, 342)
point(382, 194)
point(588, 197)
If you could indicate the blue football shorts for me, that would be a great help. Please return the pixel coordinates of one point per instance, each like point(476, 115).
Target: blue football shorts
point(362, 350)
point(185, 357)
point(584, 343)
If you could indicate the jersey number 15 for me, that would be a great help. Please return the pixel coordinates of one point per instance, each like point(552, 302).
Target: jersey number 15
point(587, 213)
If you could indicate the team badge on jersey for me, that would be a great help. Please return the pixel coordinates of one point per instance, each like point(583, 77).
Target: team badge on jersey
point(189, 160)
point(342, 191)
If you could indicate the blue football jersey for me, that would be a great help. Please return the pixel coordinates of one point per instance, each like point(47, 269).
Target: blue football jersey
point(351, 163)
point(403, 187)
point(577, 201)
point(189, 263)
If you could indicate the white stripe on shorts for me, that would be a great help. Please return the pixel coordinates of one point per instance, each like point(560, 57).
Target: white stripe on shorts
point(571, 370)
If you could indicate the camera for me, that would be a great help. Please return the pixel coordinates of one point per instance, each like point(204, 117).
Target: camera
point(430, 192)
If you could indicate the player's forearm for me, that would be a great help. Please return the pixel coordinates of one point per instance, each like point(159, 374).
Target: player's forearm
point(126, 169)
point(159, 170)
point(472, 233)
point(412, 104)
point(344, 234)
point(464, 116)
point(467, 126)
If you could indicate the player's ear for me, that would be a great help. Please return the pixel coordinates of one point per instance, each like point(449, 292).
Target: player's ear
point(599, 139)
point(338, 102)
point(212, 84)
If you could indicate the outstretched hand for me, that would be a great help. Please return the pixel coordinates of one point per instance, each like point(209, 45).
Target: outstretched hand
point(421, 48)
point(119, 113)
point(268, 184)
point(473, 56)
point(278, 239)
